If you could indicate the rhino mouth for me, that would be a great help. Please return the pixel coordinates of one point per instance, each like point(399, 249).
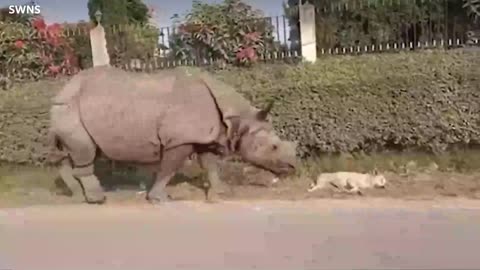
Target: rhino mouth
point(280, 170)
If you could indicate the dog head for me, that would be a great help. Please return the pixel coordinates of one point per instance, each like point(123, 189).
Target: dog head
point(379, 180)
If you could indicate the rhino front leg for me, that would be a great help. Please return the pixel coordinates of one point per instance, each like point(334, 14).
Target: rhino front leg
point(208, 162)
point(172, 160)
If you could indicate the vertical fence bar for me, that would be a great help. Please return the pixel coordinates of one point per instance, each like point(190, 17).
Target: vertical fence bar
point(286, 47)
point(414, 24)
point(445, 3)
point(454, 31)
point(277, 28)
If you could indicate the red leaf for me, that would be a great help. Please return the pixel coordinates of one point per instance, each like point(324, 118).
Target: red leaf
point(254, 36)
point(54, 29)
point(53, 69)
point(46, 59)
point(241, 54)
point(19, 44)
point(55, 41)
point(250, 53)
point(39, 24)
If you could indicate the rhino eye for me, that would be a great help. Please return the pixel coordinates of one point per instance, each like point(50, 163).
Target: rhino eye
point(274, 147)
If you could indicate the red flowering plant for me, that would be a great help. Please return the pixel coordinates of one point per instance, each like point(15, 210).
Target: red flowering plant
point(56, 53)
point(16, 59)
point(247, 51)
point(231, 31)
point(33, 49)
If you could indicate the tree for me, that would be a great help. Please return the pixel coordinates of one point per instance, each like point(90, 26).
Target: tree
point(473, 8)
point(116, 12)
point(5, 16)
point(137, 12)
point(128, 33)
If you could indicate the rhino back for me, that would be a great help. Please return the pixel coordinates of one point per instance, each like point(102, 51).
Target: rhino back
point(229, 101)
point(72, 87)
point(131, 116)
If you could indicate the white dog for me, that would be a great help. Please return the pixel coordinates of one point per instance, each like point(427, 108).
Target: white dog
point(350, 182)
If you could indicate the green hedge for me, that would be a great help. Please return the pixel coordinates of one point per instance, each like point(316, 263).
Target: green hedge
point(24, 120)
point(426, 101)
point(418, 101)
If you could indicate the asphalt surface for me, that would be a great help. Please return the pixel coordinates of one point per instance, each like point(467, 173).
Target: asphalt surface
point(324, 234)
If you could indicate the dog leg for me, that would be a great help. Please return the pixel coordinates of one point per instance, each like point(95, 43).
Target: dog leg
point(319, 185)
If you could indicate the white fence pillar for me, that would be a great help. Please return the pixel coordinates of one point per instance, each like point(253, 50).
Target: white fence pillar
point(98, 43)
point(307, 32)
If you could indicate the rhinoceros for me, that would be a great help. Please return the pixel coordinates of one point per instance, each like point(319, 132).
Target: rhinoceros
point(157, 121)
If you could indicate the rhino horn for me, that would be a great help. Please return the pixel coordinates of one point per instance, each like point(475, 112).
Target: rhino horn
point(262, 114)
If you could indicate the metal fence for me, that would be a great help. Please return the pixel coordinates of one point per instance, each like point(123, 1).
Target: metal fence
point(131, 49)
point(364, 26)
point(349, 27)
point(342, 27)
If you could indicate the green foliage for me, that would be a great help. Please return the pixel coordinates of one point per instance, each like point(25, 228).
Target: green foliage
point(345, 23)
point(137, 12)
point(23, 61)
point(114, 12)
point(5, 16)
point(231, 31)
point(414, 101)
point(24, 121)
point(80, 42)
point(131, 41)
point(473, 8)
point(117, 12)
point(127, 30)
point(425, 101)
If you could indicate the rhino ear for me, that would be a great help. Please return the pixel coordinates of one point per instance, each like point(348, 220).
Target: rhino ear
point(262, 114)
point(234, 131)
point(233, 124)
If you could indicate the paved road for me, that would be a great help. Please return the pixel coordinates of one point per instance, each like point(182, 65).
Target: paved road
point(244, 235)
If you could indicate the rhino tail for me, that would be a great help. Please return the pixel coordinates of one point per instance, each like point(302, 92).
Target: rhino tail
point(56, 153)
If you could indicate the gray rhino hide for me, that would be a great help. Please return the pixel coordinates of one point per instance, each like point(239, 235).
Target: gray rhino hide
point(230, 102)
point(131, 116)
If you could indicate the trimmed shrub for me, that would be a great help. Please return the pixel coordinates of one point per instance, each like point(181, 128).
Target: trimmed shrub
point(24, 121)
point(425, 101)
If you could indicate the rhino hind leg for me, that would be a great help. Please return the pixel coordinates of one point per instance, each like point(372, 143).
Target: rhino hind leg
point(66, 175)
point(172, 160)
point(92, 190)
point(82, 152)
point(83, 176)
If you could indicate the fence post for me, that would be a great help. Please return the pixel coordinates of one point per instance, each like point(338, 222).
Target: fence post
point(307, 32)
point(98, 43)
